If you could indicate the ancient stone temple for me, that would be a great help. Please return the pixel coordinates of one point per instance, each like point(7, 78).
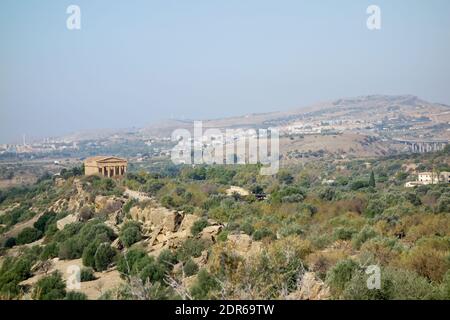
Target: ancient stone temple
point(105, 166)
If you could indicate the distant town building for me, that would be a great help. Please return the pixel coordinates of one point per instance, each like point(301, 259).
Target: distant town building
point(445, 177)
point(106, 166)
point(426, 178)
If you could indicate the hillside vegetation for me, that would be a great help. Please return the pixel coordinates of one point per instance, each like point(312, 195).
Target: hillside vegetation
point(309, 232)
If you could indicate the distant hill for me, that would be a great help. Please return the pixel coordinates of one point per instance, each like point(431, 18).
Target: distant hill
point(373, 107)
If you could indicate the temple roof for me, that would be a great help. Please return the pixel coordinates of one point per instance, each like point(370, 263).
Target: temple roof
point(103, 159)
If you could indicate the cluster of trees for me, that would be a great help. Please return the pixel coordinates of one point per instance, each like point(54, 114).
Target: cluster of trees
point(90, 241)
point(52, 287)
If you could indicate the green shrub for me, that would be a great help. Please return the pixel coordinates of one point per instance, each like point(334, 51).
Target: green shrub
point(198, 226)
point(73, 172)
point(70, 230)
point(343, 233)
point(126, 262)
point(291, 229)
point(150, 270)
point(130, 204)
point(167, 258)
point(204, 285)
point(50, 251)
point(263, 233)
point(445, 287)
point(289, 194)
point(44, 221)
point(73, 295)
point(69, 249)
point(77, 237)
point(104, 256)
point(285, 177)
point(359, 184)
point(190, 268)
point(153, 186)
point(95, 229)
point(327, 194)
point(136, 262)
point(130, 233)
point(10, 242)
point(85, 213)
point(338, 276)
point(223, 236)
point(444, 204)
point(88, 256)
point(28, 235)
point(12, 272)
point(190, 248)
point(358, 239)
point(87, 274)
point(51, 287)
point(248, 228)
point(168, 201)
point(16, 215)
point(395, 285)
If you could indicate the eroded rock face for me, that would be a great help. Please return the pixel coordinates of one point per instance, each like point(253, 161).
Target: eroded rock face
point(310, 288)
point(71, 218)
point(160, 216)
point(117, 244)
point(202, 260)
point(107, 204)
point(42, 267)
point(59, 206)
point(80, 199)
point(168, 229)
point(74, 204)
point(210, 233)
point(243, 244)
point(188, 222)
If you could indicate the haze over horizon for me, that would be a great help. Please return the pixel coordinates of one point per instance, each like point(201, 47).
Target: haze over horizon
point(130, 65)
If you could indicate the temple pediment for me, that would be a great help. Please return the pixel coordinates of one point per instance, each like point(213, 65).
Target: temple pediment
point(105, 159)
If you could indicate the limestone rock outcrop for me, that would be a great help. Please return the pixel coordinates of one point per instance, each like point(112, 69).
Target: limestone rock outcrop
point(59, 206)
point(210, 233)
point(310, 288)
point(158, 216)
point(243, 244)
point(71, 218)
point(108, 204)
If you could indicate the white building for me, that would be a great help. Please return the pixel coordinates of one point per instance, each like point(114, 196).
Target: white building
point(426, 178)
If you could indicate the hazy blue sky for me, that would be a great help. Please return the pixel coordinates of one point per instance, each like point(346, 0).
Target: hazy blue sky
point(134, 62)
